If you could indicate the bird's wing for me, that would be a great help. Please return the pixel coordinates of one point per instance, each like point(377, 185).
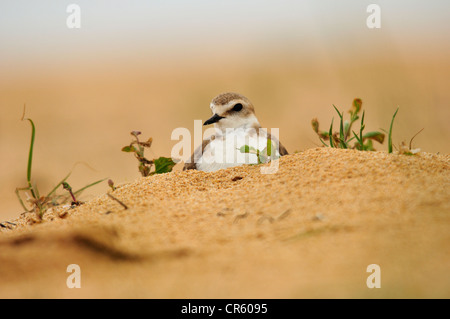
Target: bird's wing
point(283, 150)
point(197, 154)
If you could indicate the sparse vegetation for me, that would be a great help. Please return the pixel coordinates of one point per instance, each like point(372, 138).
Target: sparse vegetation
point(39, 204)
point(161, 164)
point(343, 139)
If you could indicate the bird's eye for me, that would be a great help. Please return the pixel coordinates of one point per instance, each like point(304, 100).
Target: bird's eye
point(237, 107)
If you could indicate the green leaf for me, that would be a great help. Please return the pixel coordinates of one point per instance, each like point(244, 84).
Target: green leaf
point(269, 147)
point(324, 134)
point(20, 199)
point(163, 165)
point(376, 136)
point(350, 139)
point(36, 191)
point(341, 129)
point(339, 113)
point(247, 149)
point(323, 142)
point(369, 146)
point(390, 132)
point(30, 155)
point(360, 143)
point(129, 149)
point(57, 185)
point(330, 133)
point(361, 129)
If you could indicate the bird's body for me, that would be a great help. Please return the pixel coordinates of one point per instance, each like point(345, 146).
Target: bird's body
point(236, 127)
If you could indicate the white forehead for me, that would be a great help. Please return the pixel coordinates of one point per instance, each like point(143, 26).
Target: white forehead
point(222, 107)
point(231, 102)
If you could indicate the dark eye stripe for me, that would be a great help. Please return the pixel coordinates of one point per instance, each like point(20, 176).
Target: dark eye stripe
point(237, 107)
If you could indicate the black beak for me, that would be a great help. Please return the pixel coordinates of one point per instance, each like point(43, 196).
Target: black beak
point(215, 118)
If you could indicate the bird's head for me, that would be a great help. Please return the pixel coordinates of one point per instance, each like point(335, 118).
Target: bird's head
point(232, 110)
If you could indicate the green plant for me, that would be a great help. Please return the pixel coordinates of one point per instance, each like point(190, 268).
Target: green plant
point(162, 164)
point(39, 204)
point(263, 156)
point(390, 132)
point(342, 139)
point(403, 149)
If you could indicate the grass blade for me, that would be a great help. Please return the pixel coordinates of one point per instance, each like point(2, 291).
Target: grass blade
point(330, 133)
point(341, 129)
point(339, 113)
point(361, 129)
point(30, 155)
point(390, 132)
point(20, 199)
point(36, 190)
point(323, 142)
point(360, 141)
point(87, 186)
point(59, 184)
point(350, 139)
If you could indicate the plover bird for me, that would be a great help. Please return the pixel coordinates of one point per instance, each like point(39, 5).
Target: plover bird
point(236, 127)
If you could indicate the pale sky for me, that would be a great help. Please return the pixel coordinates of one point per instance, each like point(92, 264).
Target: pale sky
point(35, 31)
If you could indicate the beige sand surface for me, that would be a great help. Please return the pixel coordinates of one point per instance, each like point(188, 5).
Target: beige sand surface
point(310, 230)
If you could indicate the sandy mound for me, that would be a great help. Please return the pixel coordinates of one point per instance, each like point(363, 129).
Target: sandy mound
point(310, 230)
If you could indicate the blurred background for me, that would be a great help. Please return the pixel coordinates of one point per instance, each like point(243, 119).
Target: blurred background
point(154, 66)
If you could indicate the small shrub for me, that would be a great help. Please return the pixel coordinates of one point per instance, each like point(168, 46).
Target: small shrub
point(137, 147)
